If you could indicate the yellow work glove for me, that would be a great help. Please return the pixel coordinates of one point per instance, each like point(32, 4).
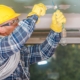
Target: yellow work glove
point(58, 20)
point(38, 9)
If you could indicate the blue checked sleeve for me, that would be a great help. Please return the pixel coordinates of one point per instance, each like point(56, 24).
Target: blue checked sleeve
point(13, 43)
point(42, 51)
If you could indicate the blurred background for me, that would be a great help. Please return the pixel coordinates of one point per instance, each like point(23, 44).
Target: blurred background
point(64, 65)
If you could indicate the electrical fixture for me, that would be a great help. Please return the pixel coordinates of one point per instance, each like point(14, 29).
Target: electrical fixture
point(42, 63)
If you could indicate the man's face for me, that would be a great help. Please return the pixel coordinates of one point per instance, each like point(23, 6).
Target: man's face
point(8, 27)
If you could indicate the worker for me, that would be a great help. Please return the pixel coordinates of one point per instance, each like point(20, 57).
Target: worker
point(15, 57)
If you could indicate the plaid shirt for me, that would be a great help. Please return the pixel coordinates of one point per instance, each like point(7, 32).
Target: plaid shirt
point(29, 54)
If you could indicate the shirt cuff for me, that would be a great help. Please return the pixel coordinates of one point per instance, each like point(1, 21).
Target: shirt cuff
point(33, 17)
point(53, 38)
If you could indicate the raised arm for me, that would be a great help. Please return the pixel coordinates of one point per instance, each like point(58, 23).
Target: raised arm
point(42, 51)
point(45, 50)
point(14, 42)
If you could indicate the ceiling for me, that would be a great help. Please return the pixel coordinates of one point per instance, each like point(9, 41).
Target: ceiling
point(72, 37)
point(70, 8)
point(67, 6)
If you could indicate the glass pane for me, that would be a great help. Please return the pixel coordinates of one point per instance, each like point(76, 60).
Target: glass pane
point(63, 65)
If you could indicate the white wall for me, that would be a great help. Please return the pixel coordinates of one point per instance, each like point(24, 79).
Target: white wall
point(73, 21)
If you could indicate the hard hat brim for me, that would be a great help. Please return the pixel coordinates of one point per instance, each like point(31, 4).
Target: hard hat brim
point(10, 18)
point(16, 15)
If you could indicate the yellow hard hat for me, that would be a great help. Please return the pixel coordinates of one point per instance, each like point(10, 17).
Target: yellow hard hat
point(7, 13)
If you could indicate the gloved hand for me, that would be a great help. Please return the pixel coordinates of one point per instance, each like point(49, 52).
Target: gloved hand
point(58, 20)
point(38, 9)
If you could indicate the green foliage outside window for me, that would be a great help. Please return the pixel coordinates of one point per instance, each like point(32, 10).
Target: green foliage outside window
point(66, 66)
